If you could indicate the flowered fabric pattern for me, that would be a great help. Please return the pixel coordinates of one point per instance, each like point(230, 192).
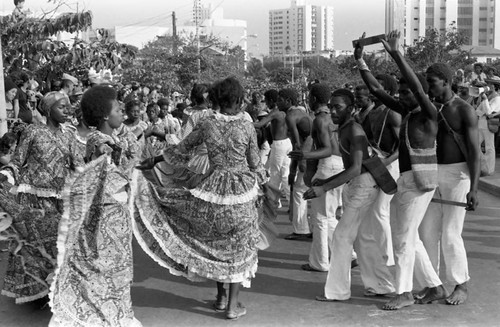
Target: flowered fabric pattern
point(95, 269)
point(189, 168)
point(41, 163)
point(212, 230)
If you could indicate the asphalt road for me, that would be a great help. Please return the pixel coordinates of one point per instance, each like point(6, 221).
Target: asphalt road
point(283, 295)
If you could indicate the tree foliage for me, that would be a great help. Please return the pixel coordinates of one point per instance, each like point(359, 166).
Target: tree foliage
point(438, 46)
point(172, 62)
point(30, 44)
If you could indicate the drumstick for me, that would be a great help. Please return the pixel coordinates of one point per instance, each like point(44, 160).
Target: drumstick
point(452, 203)
point(479, 211)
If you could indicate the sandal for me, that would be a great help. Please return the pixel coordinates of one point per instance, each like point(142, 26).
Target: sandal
point(234, 314)
point(220, 305)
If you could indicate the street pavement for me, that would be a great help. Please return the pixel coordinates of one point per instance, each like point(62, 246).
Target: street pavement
point(283, 295)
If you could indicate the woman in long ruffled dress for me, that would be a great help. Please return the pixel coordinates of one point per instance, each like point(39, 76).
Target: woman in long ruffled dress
point(94, 275)
point(211, 231)
point(45, 156)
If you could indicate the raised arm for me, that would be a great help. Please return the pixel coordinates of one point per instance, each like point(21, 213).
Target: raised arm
point(392, 47)
point(371, 82)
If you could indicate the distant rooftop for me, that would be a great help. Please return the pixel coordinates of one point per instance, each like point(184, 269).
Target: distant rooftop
point(481, 50)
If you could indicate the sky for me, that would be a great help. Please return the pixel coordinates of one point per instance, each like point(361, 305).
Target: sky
point(352, 17)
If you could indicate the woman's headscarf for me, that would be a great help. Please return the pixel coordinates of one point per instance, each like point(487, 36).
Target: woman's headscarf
point(49, 100)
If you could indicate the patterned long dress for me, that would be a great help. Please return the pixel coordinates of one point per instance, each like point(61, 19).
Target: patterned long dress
point(95, 269)
point(42, 161)
point(210, 231)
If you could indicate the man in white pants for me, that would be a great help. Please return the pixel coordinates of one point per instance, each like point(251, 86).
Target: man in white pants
point(278, 162)
point(359, 195)
point(417, 163)
point(324, 207)
point(459, 168)
point(381, 126)
point(299, 126)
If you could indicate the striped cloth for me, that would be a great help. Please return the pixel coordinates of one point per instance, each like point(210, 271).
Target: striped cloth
point(423, 162)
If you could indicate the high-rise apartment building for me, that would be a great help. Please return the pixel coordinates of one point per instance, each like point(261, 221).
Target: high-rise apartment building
point(300, 28)
point(475, 18)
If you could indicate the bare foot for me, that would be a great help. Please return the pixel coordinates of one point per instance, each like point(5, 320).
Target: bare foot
point(459, 295)
point(399, 301)
point(433, 294)
point(420, 295)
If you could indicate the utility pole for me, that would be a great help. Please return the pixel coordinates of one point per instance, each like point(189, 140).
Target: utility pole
point(197, 23)
point(174, 32)
point(3, 106)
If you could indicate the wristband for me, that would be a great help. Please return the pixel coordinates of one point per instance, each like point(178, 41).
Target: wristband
point(362, 64)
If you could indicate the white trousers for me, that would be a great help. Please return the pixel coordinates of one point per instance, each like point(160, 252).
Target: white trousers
point(488, 157)
point(300, 222)
point(443, 224)
point(358, 198)
point(408, 209)
point(374, 243)
point(264, 151)
point(323, 214)
point(279, 165)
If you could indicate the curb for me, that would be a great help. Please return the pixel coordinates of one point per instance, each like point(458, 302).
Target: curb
point(489, 186)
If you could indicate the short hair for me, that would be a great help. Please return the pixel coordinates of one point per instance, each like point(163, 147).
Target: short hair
point(20, 78)
point(163, 102)
point(321, 92)
point(97, 103)
point(345, 94)
point(198, 91)
point(228, 92)
point(362, 87)
point(442, 71)
point(153, 106)
point(271, 95)
point(16, 2)
point(390, 83)
point(289, 94)
point(421, 78)
point(131, 104)
point(478, 64)
point(181, 106)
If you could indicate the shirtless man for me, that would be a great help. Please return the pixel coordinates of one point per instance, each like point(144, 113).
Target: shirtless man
point(381, 126)
point(458, 177)
point(359, 195)
point(278, 162)
point(415, 187)
point(299, 126)
point(323, 219)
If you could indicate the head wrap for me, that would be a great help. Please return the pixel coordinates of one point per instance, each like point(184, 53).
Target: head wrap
point(9, 85)
point(49, 100)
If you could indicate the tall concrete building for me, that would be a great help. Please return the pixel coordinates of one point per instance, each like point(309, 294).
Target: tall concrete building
point(475, 18)
point(300, 28)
